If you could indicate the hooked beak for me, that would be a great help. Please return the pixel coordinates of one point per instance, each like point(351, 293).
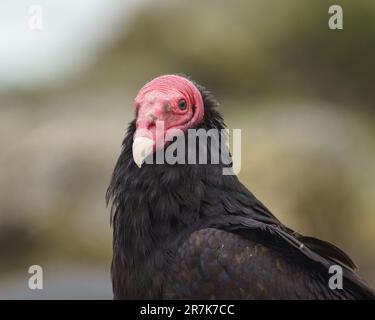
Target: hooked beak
point(142, 147)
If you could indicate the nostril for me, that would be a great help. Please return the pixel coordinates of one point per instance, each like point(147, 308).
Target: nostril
point(145, 123)
point(151, 125)
point(152, 116)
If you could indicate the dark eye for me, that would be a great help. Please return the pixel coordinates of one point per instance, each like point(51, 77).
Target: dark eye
point(182, 104)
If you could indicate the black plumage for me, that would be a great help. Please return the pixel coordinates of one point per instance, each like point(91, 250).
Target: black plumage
point(189, 232)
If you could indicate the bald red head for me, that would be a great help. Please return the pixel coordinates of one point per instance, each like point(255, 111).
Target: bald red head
point(170, 102)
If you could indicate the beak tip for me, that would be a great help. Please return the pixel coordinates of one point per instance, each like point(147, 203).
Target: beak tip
point(139, 164)
point(142, 147)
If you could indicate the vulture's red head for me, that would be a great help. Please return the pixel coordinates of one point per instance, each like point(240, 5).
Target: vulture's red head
point(166, 106)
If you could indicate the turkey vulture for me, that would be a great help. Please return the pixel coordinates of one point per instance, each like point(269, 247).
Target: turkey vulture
point(186, 231)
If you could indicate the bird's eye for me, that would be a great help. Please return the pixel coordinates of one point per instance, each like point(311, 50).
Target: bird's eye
point(182, 104)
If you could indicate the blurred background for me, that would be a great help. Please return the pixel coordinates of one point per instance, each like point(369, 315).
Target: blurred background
point(302, 94)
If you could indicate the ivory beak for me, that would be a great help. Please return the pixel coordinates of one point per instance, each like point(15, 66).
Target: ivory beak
point(142, 147)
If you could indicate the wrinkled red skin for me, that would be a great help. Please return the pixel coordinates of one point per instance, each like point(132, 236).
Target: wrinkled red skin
point(157, 108)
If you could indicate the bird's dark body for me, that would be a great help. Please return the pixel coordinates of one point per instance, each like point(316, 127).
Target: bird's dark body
point(190, 232)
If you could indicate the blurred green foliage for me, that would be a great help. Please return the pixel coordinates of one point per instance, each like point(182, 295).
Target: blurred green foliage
point(256, 48)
